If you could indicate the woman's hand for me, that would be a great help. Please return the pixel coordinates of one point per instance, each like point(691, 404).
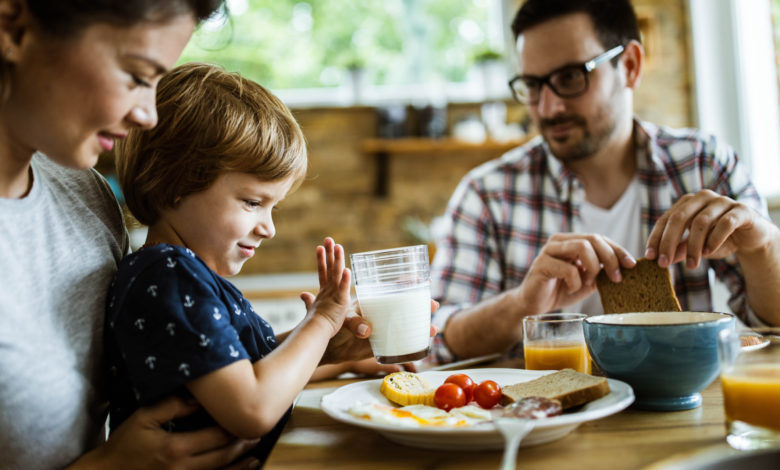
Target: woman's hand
point(141, 443)
point(351, 341)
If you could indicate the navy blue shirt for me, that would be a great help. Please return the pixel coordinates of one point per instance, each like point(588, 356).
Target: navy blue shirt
point(169, 320)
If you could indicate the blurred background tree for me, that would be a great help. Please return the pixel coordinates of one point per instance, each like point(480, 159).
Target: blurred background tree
point(285, 44)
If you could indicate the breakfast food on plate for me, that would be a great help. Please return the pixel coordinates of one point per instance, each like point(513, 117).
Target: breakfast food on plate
point(533, 408)
point(646, 287)
point(407, 388)
point(459, 390)
point(544, 397)
point(449, 396)
point(750, 341)
point(487, 394)
point(569, 387)
point(464, 382)
point(416, 416)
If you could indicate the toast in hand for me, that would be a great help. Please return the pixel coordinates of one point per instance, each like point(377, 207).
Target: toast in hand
point(568, 386)
point(646, 287)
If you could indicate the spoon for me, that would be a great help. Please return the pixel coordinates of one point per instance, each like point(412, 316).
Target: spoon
point(514, 430)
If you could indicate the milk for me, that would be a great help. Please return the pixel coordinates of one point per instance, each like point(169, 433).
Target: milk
point(400, 321)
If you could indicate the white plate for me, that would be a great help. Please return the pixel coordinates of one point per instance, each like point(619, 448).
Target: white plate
point(479, 437)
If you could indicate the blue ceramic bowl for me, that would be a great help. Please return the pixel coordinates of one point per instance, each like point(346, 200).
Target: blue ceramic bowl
point(666, 357)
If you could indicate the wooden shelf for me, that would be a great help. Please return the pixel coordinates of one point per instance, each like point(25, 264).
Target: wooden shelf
point(381, 149)
point(433, 146)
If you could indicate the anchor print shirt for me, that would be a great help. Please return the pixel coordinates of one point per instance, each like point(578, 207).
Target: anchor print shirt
point(169, 320)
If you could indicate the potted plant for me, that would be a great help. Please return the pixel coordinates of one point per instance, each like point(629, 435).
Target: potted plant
point(492, 70)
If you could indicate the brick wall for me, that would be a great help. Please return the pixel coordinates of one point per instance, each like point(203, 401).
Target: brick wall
point(338, 198)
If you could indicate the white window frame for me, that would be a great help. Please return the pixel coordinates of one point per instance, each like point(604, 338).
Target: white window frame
point(736, 83)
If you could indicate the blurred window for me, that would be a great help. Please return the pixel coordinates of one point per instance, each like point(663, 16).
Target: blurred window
point(346, 51)
point(776, 27)
point(736, 70)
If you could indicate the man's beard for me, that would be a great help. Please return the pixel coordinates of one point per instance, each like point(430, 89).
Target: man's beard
point(592, 140)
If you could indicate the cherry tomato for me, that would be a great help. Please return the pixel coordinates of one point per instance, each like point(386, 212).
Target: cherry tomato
point(449, 396)
point(487, 394)
point(465, 382)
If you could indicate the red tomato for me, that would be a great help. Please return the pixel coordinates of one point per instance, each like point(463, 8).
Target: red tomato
point(449, 396)
point(487, 394)
point(465, 382)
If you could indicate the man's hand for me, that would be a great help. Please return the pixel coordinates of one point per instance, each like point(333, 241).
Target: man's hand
point(717, 227)
point(351, 341)
point(565, 270)
point(141, 443)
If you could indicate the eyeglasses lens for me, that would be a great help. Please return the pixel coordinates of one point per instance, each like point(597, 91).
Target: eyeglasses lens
point(566, 83)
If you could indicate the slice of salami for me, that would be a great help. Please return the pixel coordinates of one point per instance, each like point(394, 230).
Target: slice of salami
point(533, 408)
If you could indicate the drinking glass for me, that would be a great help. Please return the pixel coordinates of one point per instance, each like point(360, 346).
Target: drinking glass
point(394, 292)
point(555, 341)
point(750, 379)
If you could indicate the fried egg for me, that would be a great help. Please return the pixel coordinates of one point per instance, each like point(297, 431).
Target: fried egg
point(415, 416)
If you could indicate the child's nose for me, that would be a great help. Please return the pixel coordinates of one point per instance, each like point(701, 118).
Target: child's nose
point(265, 228)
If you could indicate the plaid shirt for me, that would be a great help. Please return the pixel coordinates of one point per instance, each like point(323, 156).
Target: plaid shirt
point(505, 210)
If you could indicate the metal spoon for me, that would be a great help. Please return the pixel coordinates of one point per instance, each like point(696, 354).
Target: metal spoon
point(514, 430)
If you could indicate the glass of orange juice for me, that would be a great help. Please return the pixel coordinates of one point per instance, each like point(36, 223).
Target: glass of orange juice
point(554, 341)
point(750, 379)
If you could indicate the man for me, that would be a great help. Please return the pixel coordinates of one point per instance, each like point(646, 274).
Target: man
point(529, 232)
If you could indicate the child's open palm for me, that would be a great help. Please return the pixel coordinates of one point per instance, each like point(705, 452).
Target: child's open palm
point(333, 300)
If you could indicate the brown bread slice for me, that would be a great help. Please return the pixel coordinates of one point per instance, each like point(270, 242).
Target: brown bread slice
point(568, 386)
point(646, 287)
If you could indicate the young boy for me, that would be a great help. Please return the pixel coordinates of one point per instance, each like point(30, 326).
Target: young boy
point(205, 180)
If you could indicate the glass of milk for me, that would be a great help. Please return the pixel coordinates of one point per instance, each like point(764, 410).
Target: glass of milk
point(394, 292)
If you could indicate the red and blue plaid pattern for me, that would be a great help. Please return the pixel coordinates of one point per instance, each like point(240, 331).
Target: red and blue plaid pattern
point(505, 210)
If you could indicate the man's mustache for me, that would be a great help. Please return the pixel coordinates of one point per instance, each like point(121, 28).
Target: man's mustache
point(563, 119)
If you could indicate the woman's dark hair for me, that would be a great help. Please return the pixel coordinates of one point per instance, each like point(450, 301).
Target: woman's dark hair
point(614, 20)
point(69, 17)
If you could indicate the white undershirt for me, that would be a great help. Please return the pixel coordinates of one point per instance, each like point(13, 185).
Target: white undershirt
point(621, 223)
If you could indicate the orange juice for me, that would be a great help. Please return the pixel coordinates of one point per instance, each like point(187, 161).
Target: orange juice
point(556, 355)
point(751, 394)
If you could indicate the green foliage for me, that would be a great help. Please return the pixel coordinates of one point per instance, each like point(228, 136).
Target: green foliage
point(309, 43)
point(486, 55)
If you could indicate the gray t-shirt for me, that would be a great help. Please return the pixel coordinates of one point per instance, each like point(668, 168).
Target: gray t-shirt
point(59, 248)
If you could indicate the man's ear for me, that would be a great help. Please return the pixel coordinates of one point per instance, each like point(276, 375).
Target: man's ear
point(13, 25)
point(633, 60)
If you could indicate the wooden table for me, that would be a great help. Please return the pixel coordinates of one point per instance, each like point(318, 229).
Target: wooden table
point(631, 439)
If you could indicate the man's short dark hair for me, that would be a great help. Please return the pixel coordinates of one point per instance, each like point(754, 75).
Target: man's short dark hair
point(613, 20)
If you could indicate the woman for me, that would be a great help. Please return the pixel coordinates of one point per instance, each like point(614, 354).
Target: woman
point(76, 76)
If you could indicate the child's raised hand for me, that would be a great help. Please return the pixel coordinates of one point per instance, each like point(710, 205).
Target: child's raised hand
point(333, 300)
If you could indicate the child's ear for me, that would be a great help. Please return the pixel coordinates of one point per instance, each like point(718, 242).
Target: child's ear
point(14, 24)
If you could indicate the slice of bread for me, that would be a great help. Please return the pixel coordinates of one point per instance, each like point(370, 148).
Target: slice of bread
point(646, 287)
point(407, 388)
point(568, 386)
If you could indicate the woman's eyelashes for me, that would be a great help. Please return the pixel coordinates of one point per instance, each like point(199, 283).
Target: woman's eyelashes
point(138, 81)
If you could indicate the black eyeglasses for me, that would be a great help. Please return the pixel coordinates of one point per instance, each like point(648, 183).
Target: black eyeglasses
point(567, 82)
